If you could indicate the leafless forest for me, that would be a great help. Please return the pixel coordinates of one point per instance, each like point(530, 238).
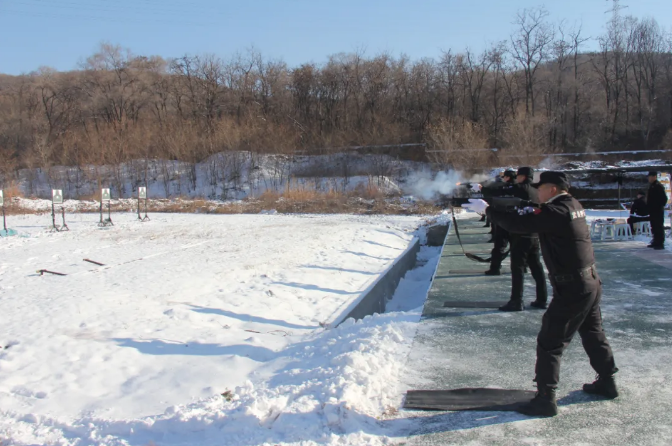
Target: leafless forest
point(539, 92)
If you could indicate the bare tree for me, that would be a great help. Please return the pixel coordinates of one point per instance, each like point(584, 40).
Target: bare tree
point(530, 46)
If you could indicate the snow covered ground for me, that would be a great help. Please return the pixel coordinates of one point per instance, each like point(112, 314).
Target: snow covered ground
point(206, 329)
point(202, 329)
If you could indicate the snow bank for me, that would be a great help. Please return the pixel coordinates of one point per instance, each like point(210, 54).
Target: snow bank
point(184, 306)
point(215, 339)
point(339, 388)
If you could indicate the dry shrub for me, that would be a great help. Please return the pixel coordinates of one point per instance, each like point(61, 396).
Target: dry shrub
point(12, 191)
point(182, 206)
point(526, 139)
point(369, 191)
point(90, 197)
point(459, 143)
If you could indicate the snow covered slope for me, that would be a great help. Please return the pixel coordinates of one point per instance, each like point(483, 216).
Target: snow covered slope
point(185, 308)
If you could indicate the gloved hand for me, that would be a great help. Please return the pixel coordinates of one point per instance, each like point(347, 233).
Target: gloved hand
point(476, 205)
point(476, 187)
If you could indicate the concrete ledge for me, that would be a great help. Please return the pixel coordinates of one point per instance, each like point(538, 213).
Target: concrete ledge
point(374, 298)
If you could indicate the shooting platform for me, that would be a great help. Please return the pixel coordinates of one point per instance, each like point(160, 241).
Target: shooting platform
point(470, 364)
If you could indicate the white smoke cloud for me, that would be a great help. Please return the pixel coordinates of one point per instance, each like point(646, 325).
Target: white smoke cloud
point(428, 185)
point(480, 178)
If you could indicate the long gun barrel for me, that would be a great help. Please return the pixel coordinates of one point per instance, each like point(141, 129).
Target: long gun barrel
point(508, 204)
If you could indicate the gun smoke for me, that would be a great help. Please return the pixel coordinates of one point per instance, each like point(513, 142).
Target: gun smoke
point(429, 185)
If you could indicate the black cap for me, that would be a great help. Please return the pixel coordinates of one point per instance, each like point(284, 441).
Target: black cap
point(527, 171)
point(509, 173)
point(551, 177)
point(653, 173)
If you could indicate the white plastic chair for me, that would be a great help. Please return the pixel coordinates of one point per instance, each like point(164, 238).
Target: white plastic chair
point(595, 229)
point(643, 228)
point(623, 232)
point(606, 230)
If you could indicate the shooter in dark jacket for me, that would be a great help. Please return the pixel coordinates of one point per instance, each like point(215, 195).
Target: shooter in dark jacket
point(639, 211)
point(499, 235)
point(565, 241)
point(656, 199)
point(525, 251)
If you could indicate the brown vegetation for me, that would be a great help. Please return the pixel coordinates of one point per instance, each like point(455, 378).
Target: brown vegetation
point(288, 202)
point(534, 94)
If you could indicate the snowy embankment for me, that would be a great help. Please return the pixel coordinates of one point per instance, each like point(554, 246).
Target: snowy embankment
point(203, 330)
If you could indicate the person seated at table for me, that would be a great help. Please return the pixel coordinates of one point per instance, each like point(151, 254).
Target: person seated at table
point(639, 211)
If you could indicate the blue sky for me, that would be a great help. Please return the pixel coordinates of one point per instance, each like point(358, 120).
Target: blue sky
point(60, 33)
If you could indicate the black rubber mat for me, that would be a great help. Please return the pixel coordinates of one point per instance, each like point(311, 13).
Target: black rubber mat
point(472, 304)
point(467, 399)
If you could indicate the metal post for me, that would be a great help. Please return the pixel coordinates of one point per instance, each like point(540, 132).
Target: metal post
point(146, 217)
point(65, 226)
point(109, 215)
point(139, 218)
point(4, 219)
point(53, 215)
point(620, 182)
point(101, 212)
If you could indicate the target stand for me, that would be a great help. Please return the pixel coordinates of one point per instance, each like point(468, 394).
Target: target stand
point(5, 232)
point(142, 194)
point(57, 198)
point(105, 196)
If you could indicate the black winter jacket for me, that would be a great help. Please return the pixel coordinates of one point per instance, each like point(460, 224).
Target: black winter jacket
point(639, 208)
point(563, 233)
point(656, 198)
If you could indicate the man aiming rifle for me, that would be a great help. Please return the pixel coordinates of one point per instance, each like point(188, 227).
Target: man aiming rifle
point(525, 250)
point(500, 236)
point(565, 242)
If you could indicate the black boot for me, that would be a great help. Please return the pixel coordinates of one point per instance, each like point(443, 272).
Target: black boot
point(493, 272)
point(541, 305)
point(482, 218)
point(542, 405)
point(491, 240)
point(604, 386)
point(512, 305)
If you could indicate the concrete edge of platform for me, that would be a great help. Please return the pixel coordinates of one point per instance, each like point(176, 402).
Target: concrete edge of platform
point(374, 298)
point(443, 246)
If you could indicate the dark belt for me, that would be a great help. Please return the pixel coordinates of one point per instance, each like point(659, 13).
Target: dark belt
point(588, 272)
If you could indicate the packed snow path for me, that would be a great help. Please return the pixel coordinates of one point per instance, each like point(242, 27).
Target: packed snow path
point(486, 348)
point(185, 306)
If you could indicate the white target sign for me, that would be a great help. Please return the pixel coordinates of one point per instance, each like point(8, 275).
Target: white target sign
point(142, 192)
point(57, 196)
point(105, 194)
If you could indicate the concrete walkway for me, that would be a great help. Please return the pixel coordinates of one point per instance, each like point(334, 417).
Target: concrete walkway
point(486, 348)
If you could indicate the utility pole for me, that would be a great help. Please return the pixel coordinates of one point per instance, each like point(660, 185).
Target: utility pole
point(615, 11)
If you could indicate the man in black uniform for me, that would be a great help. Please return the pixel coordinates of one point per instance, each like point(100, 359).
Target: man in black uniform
point(656, 199)
point(639, 211)
point(499, 236)
point(498, 179)
point(525, 251)
point(560, 222)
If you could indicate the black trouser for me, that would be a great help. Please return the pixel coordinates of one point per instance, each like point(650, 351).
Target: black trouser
point(501, 239)
point(634, 219)
point(575, 307)
point(525, 251)
point(657, 218)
